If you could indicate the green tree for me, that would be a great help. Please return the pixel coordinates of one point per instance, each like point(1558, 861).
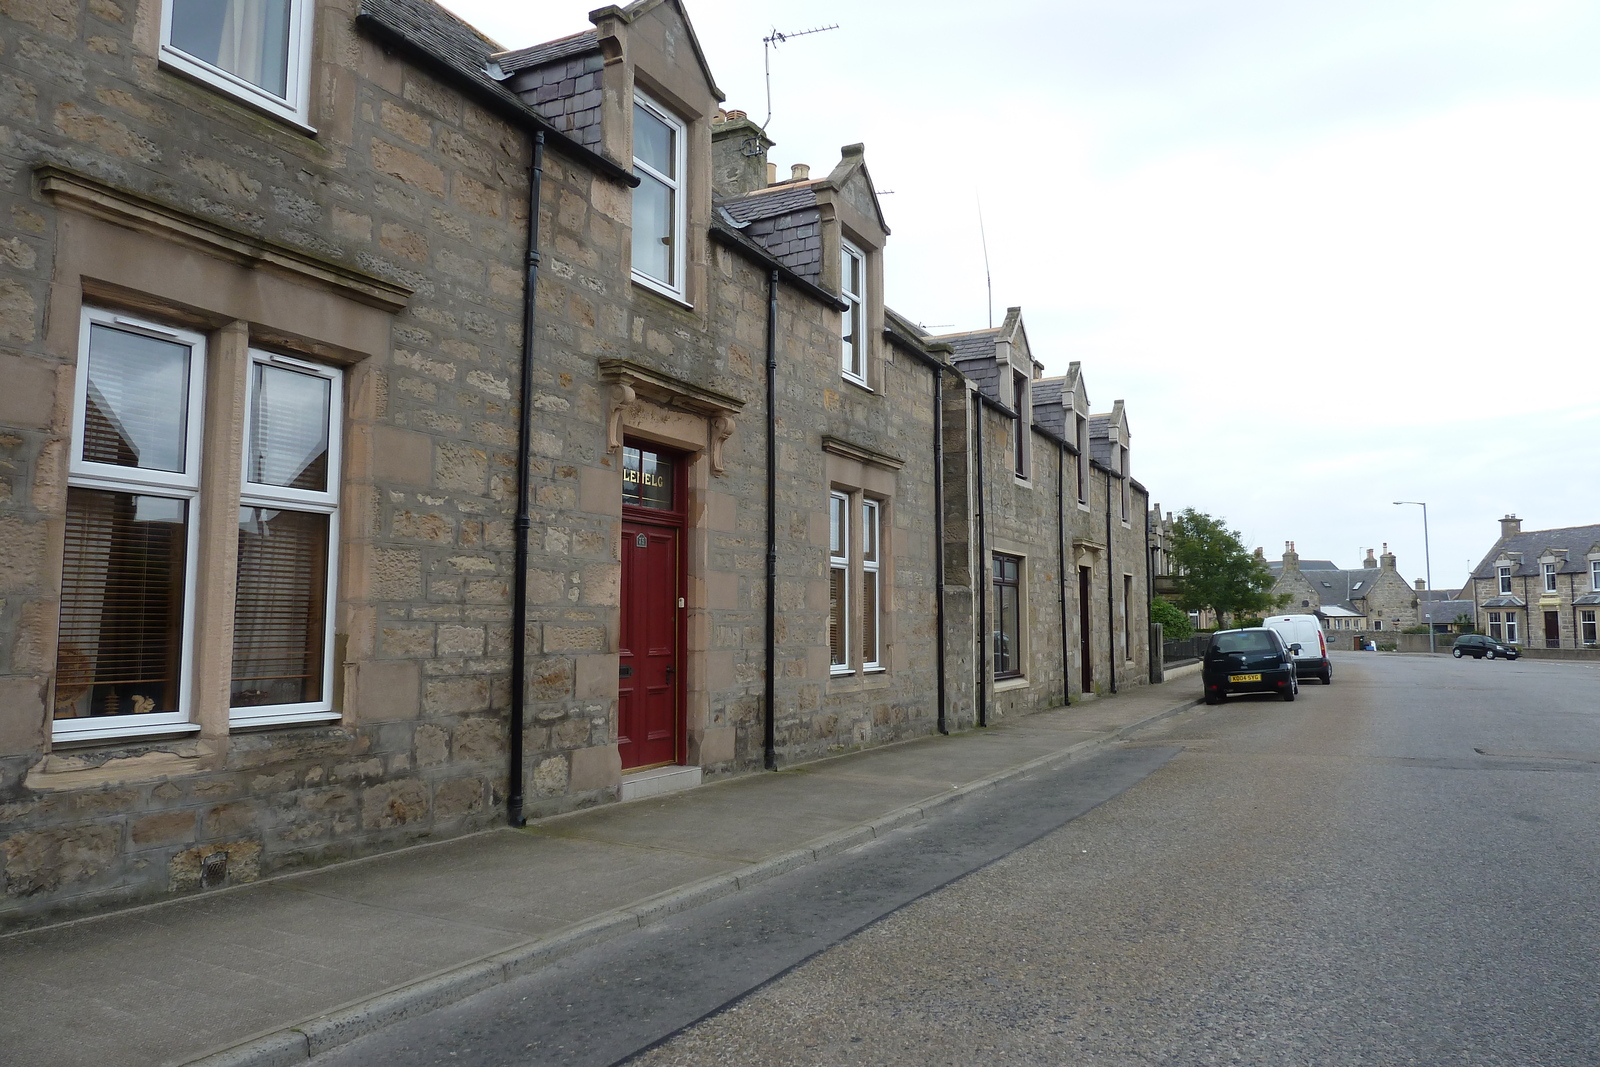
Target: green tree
point(1175, 625)
point(1215, 570)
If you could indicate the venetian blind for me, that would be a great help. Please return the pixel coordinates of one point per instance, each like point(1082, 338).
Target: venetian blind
point(280, 615)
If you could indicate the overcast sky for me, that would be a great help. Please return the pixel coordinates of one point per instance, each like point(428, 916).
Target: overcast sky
point(1331, 254)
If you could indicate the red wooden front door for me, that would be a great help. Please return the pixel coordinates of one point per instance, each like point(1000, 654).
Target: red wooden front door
point(647, 691)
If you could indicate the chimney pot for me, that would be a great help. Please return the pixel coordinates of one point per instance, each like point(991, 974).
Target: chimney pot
point(772, 174)
point(799, 172)
point(736, 116)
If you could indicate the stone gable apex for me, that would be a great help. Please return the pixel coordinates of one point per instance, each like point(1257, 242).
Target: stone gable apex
point(673, 17)
point(851, 179)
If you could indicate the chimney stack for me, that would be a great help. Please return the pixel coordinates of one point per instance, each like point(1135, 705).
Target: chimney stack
point(1369, 561)
point(1510, 526)
point(1387, 558)
point(1422, 586)
point(1291, 558)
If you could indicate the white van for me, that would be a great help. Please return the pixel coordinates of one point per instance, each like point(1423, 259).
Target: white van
point(1305, 631)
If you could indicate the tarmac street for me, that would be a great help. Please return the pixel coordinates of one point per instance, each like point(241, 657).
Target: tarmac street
point(1399, 868)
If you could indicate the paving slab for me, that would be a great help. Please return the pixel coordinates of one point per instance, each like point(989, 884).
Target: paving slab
point(273, 971)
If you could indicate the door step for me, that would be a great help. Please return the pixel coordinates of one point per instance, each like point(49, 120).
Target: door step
point(659, 782)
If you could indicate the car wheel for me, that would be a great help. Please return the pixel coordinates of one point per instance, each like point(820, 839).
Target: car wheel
point(1456, 652)
point(1327, 676)
point(1288, 694)
point(1488, 653)
point(1213, 698)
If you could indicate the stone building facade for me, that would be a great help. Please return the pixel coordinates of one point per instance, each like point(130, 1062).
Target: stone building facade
point(1539, 588)
point(265, 474)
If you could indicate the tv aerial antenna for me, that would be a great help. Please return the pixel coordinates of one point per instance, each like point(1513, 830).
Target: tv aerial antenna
point(771, 41)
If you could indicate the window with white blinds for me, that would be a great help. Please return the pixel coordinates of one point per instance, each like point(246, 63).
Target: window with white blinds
point(282, 652)
point(127, 575)
point(125, 648)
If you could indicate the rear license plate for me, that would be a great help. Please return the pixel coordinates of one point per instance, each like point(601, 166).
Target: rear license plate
point(1244, 677)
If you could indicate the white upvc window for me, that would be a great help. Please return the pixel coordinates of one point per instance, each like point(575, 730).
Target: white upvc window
point(1511, 627)
point(1505, 580)
point(871, 585)
point(1586, 622)
point(839, 583)
point(256, 50)
point(288, 514)
point(1083, 459)
point(659, 160)
point(1122, 469)
point(125, 637)
point(1594, 575)
point(1549, 577)
point(1495, 630)
point(852, 321)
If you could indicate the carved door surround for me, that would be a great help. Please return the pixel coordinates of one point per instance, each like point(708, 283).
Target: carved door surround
point(632, 383)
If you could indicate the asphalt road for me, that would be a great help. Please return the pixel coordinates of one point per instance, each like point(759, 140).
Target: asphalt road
point(1397, 869)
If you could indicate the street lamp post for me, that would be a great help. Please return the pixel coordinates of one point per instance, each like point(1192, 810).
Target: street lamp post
point(1427, 564)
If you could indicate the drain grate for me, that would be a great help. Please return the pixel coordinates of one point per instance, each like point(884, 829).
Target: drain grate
point(213, 870)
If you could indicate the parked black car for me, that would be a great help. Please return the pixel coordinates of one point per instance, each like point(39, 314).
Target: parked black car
point(1480, 647)
point(1253, 660)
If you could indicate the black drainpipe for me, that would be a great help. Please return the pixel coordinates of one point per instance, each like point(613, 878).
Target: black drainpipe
point(1061, 575)
point(1111, 594)
point(769, 727)
point(982, 576)
point(1149, 595)
point(938, 535)
point(519, 580)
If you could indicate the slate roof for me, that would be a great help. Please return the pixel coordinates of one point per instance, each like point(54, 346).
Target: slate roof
point(1100, 439)
point(1047, 409)
point(430, 27)
point(972, 352)
point(1341, 588)
point(1445, 611)
point(1577, 540)
point(520, 59)
point(1276, 565)
point(785, 220)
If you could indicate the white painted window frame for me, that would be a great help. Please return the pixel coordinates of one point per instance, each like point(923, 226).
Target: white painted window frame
point(295, 108)
point(839, 560)
point(1587, 627)
point(856, 315)
point(1511, 628)
point(872, 572)
point(1549, 572)
point(185, 486)
point(1504, 574)
point(1496, 629)
point(1594, 575)
point(676, 287)
point(255, 494)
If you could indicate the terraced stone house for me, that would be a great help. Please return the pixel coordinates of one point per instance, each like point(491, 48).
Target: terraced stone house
point(403, 435)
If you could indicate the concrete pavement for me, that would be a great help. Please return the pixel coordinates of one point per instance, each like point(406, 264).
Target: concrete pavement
point(281, 970)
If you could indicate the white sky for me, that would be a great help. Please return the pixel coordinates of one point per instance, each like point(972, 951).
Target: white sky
point(1331, 254)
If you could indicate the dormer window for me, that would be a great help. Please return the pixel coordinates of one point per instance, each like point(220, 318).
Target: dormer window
point(1594, 575)
point(1549, 577)
point(1019, 426)
point(256, 50)
point(1083, 459)
point(852, 329)
point(658, 209)
point(1505, 580)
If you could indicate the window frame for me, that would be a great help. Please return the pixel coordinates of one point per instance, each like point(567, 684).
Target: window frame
point(1594, 575)
point(676, 287)
point(1549, 572)
point(1082, 428)
point(839, 561)
point(1022, 400)
point(996, 584)
point(872, 571)
point(1496, 629)
point(856, 312)
point(294, 107)
point(326, 502)
point(1511, 628)
point(1587, 628)
point(1504, 574)
point(185, 486)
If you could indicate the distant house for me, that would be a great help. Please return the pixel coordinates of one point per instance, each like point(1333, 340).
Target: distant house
point(1540, 587)
point(1370, 599)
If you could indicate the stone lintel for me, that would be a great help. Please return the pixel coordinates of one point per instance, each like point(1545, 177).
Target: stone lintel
point(135, 211)
point(860, 453)
point(668, 391)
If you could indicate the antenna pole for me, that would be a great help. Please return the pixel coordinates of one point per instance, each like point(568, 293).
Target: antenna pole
point(767, 43)
point(987, 280)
